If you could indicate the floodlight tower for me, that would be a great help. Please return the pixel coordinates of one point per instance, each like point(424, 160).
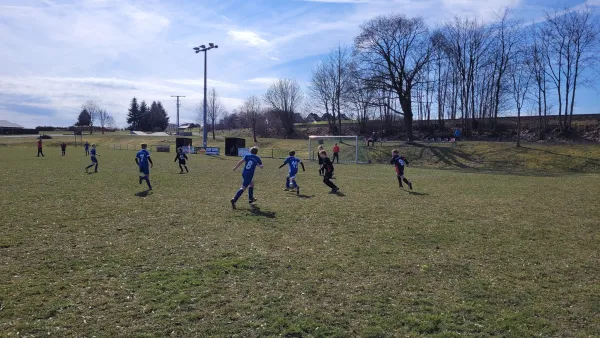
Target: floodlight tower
point(203, 48)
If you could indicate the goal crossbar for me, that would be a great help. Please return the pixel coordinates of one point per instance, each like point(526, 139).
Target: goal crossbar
point(313, 144)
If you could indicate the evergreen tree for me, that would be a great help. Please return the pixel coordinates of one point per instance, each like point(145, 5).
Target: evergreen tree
point(84, 119)
point(144, 117)
point(154, 117)
point(133, 117)
point(164, 117)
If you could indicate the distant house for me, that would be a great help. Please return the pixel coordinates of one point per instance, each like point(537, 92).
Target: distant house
point(312, 117)
point(9, 128)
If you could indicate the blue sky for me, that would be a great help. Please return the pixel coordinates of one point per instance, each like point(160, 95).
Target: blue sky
point(59, 53)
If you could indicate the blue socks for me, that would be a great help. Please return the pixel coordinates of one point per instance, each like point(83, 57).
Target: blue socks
point(287, 183)
point(238, 195)
point(294, 184)
point(251, 193)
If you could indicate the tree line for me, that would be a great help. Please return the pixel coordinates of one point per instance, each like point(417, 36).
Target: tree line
point(92, 114)
point(464, 69)
point(399, 69)
point(143, 118)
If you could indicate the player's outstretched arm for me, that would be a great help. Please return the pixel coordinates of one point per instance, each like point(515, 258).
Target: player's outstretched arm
point(137, 161)
point(150, 160)
point(176, 157)
point(302, 164)
point(238, 164)
point(281, 166)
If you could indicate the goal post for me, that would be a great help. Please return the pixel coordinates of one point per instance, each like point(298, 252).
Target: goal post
point(350, 151)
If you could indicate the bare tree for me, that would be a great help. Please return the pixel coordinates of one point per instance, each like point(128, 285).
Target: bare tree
point(520, 80)
point(214, 109)
point(320, 90)
point(570, 48)
point(392, 51)
point(110, 122)
point(285, 97)
point(94, 110)
point(105, 118)
point(251, 111)
point(537, 68)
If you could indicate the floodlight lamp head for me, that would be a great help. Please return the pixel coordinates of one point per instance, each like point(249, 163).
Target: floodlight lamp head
point(196, 48)
point(216, 46)
point(211, 44)
point(202, 46)
point(197, 51)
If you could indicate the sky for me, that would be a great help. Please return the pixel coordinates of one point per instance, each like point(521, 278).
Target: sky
point(57, 54)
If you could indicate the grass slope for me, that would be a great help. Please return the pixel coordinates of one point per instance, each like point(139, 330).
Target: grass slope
point(472, 254)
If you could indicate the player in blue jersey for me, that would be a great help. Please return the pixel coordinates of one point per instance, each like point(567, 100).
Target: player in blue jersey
point(251, 161)
point(93, 155)
point(142, 158)
point(292, 161)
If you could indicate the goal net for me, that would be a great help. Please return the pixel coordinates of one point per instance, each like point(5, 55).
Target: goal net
point(350, 151)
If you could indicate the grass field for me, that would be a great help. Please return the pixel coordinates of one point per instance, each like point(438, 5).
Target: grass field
point(467, 252)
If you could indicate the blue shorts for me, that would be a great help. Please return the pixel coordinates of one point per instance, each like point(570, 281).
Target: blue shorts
point(293, 174)
point(246, 180)
point(94, 160)
point(145, 170)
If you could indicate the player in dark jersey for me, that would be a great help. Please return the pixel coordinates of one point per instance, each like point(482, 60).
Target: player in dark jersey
point(251, 162)
point(328, 168)
point(292, 161)
point(182, 157)
point(399, 162)
point(321, 169)
point(94, 159)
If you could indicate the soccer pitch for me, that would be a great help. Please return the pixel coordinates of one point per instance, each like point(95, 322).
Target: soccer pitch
point(464, 253)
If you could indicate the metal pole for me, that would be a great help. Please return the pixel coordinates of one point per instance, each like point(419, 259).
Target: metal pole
point(204, 130)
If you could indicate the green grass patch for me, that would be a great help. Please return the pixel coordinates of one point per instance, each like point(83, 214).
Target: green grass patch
point(467, 253)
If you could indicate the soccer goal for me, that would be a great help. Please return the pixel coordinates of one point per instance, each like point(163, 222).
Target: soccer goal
point(350, 151)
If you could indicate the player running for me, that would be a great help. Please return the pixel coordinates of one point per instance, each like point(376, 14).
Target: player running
point(251, 160)
point(328, 168)
point(93, 155)
point(400, 162)
point(142, 158)
point(182, 157)
point(292, 161)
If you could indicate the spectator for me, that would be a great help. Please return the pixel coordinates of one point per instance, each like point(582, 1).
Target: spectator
point(336, 153)
point(373, 139)
point(63, 148)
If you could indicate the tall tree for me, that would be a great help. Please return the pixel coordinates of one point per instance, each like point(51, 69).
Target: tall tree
point(520, 82)
point(162, 117)
point(94, 110)
point(251, 111)
point(143, 122)
point(392, 51)
point(285, 97)
point(214, 109)
point(84, 119)
point(133, 116)
point(104, 117)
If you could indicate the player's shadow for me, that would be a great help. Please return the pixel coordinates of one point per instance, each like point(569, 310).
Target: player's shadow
point(339, 194)
point(144, 193)
point(257, 212)
point(305, 196)
point(417, 193)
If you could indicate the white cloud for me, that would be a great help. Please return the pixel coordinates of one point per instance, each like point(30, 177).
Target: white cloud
point(263, 81)
point(248, 37)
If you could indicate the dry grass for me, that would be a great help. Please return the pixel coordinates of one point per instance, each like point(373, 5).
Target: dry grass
point(465, 253)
